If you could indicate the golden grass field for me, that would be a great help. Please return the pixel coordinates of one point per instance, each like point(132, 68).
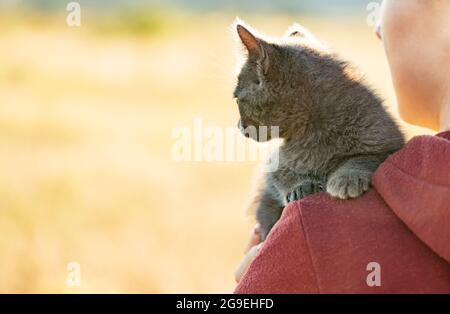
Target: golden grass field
point(86, 173)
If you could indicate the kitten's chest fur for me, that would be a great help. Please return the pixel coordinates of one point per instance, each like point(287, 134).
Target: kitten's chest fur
point(300, 159)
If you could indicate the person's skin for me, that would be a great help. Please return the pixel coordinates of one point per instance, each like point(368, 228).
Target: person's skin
point(250, 252)
point(416, 38)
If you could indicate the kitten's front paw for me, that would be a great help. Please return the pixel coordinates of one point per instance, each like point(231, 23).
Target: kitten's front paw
point(349, 184)
point(306, 188)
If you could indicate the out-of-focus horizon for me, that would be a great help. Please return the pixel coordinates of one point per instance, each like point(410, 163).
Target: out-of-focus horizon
point(345, 7)
point(86, 117)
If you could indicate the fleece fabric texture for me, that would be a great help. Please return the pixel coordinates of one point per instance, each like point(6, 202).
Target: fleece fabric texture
point(325, 245)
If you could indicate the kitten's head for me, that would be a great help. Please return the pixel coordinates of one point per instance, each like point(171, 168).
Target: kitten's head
point(272, 88)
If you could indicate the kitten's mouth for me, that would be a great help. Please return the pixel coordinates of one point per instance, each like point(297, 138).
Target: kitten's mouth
point(241, 128)
point(249, 131)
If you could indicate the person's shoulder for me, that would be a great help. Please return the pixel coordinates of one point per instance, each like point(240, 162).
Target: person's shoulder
point(355, 220)
point(425, 158)
point(422, 147)
point(322, 207)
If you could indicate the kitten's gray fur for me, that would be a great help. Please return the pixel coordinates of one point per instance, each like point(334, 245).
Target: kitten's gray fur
point(336, 131)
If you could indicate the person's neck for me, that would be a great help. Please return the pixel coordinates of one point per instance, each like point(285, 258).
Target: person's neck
point(444, 115)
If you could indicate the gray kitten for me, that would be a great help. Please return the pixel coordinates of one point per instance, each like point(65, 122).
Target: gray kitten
point(335, 129)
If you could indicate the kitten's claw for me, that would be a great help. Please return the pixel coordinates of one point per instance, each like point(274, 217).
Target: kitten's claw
point(304, 189)
point(350, 184)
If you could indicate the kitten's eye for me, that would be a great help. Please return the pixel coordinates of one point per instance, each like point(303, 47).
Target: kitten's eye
point(257, 82)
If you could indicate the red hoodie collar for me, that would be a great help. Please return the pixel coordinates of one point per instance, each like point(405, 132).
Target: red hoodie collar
point(415, 183)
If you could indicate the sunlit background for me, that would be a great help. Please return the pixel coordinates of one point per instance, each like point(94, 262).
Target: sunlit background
point(86, 117)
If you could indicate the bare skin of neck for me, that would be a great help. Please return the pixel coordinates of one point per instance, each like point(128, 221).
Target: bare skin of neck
point(445, 116)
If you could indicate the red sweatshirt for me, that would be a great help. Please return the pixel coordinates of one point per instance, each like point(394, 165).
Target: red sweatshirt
point(393, 239)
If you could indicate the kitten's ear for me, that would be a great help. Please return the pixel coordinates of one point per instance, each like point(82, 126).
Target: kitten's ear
point(296, 30)
point(256, 47)
point(250, 41)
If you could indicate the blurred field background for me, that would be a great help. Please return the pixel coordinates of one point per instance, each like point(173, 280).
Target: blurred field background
point(86, 116)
